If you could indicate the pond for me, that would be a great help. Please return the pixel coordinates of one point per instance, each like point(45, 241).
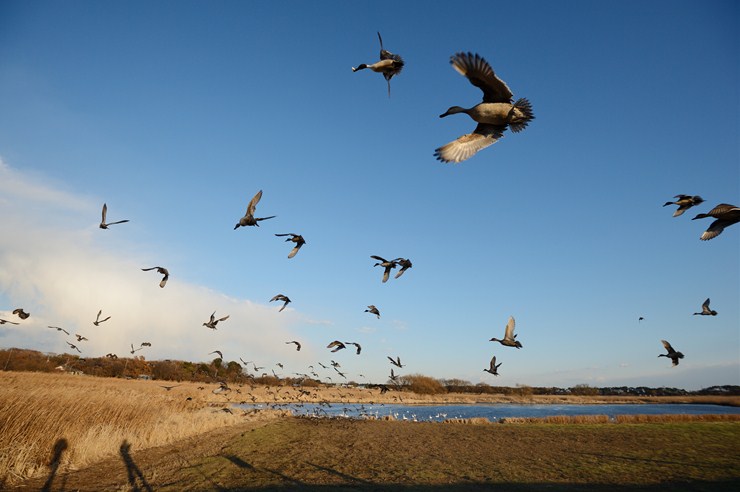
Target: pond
point(493, 412)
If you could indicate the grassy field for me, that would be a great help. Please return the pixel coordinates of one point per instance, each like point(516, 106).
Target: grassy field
point(66, 432)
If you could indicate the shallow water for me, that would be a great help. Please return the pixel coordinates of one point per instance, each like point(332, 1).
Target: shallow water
point(493, 412)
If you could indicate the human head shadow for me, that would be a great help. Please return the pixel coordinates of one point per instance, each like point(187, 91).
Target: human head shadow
point(60, 446)
point(135, 477)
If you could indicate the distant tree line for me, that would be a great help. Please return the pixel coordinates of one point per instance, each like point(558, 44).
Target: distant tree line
point(15, 359)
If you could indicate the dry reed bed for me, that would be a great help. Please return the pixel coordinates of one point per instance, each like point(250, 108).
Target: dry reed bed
point(94, 416)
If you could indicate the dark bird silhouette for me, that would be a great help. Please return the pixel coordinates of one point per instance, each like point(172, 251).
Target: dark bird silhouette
point(387, 266)
point(249, 219)
point(372, 309)
point(211, 323)
point(297, 239)
point(494, 115)
point(146, 344)
point(493, 369)
point(59, 329)
point(337, 346)
point(672, 354)
point(98, 320)
point(509, 337)
point(74, 347)
point(283, 298)
point(80, 338)
point(393, 376)
point(21, 313)
point(220, 355)
point(404, 263)
point(725, 214)
point(334, 364)
point(103, 223)
point(133, 350)
point(684, 203)
point(705, 311)
point(3, 321)
point(357, 346)
point(297, 345)
point(396, 362)
point(168, 388)
point(162, 271)
point(640, 319)
point(111, 356)
point(389, 65)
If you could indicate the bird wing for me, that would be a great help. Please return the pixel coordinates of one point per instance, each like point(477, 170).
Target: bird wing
point(147, 269)
point(705, 305)
point(105, 212)
point(477, 70)
point(253, 203)
point(224, 318)
point(277, 297)
point(722, 208)
point(294, 251)
point(468, 145)
point(287, 234)
point(381, 259)
point(97, 318)
point(668, 347)
point(510, 328)
point(493, 363)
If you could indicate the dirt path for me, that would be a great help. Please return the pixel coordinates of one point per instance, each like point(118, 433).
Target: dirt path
point(309, 454)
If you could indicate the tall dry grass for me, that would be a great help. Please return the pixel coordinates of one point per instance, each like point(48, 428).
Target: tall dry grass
point(94, 416)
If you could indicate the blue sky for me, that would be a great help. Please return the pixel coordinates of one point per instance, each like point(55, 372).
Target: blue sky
point(177, 113)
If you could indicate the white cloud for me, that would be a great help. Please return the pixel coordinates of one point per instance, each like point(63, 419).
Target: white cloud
point(61, 268)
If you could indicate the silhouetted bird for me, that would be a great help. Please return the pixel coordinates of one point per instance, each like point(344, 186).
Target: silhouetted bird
point(393, 376)
point(111, 356)
point(404, 263)
point(705, 311)
point(98, 320)
point(297, 239)
point(297, 345)
point(74, 347)
point(684, 203)
point(357, 346)
point(389, 65)
point(494, 115)
point(80, 338)
point(372, 309)
point(146, 344)
point(493, 369)
point(213, 321)
point(509, 337)
point(249, 219)
point(672, 354)
point(161, 270)
point(220, 355)
point(21, 313)
point(283, 298)
point(103, 223)
point(396, 362)
point(725, 214)
point(3, 321)
point(387, 266)
point(337, 346)
point(168, 388)
point(59, 329)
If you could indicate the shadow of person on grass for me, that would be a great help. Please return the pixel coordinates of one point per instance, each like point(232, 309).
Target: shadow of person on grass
point(56, 459)
point(134, 473)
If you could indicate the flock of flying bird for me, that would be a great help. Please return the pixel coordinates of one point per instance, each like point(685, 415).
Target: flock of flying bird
point(496, 113)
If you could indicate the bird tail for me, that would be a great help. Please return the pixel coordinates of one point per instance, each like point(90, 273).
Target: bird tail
point(520, 121)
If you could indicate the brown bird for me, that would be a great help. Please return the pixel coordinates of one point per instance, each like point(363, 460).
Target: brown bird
point(249, 219)
point(672, 354)
point(74, 347)
point(337, 346)
point(725, 214)
point(59, 329)
point(162, 271)
point(168, 388)
point(104, 224)
point(493, 369)
point(98, 320)
point(509, 337)
point(684, 203)
point(393, 376)
point(404, 263)
point(297, 239)
point(372, 309)
point(21, 313)
point(111, 356)
point(357, 346)
point(705, 311)
point(80, 338)
point(387, 266)
point(146, 344)
point(3, 321)
point(220, 355)
point(213, 321)
point(283, 298)
point(494, 115)
point(297, 345)
point(396, 362)
point(389, 65)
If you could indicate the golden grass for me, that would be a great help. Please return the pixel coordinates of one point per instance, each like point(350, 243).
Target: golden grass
point(94, 416)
